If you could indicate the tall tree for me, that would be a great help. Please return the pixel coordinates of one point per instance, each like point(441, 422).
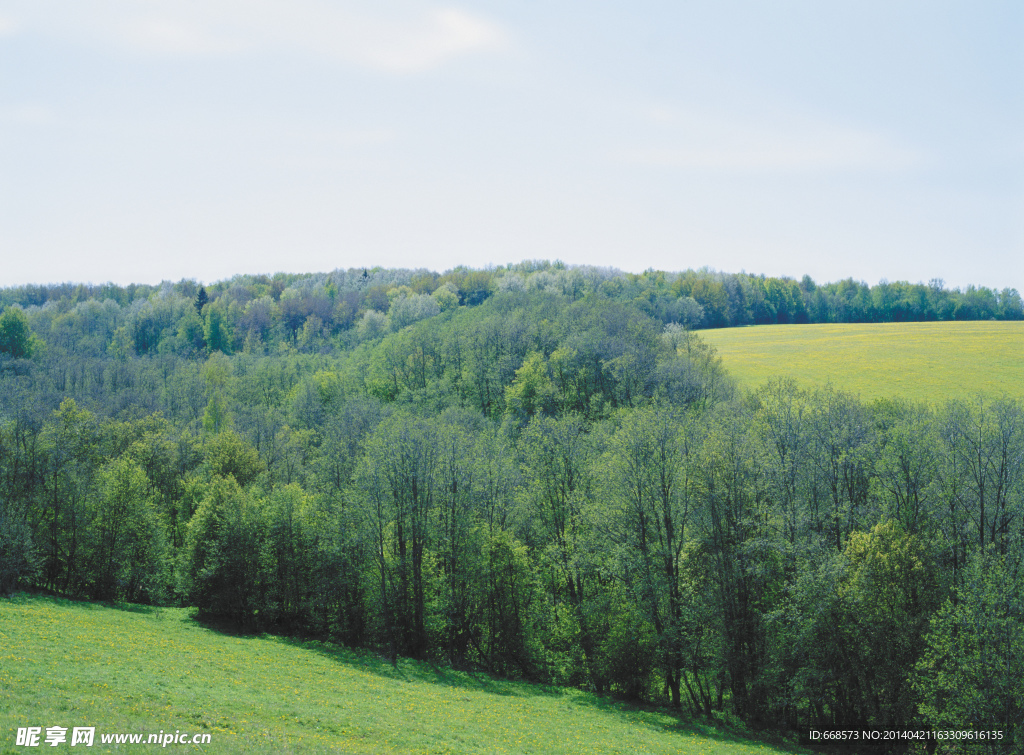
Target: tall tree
point(743, 566)
point(399, 476)
point(650, 479)
point(557, 485)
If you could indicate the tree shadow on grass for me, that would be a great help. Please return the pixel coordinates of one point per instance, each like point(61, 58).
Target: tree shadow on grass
point(406, 670)
point(226, 626)
point(411, 671)
point(86, 604)
point(722, 729)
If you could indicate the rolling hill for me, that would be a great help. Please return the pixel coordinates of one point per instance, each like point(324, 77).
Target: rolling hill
point(143, 670)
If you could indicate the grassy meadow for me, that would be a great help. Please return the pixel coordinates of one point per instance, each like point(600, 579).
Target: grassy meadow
point(136, 669)
point(922, 361)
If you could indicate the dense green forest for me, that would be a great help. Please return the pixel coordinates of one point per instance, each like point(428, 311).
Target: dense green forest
point(256, 308)
point(536, 470)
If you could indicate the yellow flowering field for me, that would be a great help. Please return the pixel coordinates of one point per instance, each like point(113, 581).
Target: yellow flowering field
point(922, 361)
point(135, 669)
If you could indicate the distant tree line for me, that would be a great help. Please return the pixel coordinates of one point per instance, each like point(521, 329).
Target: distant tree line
point(334, 311)
point(540, 472)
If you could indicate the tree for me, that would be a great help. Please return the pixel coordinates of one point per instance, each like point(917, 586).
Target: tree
point(888, 592)
point(229, 455)
point(780, 426)
point(652, 487)
point(373, 325)
point(458, 541)
point(60, 517)
point(906, 465)
point(16, 337)
point(531, 392)
point(971, 675)
point(558, 483)
point(842, 445)
point(223, 569)
point(17, 552)
point(408, 309)
point(852, 628)
point(127, 539)
point(691, 372)
point(293, 553)
point(446, 296)
point(741, 562)
point(510, 641)
point(399, 477)
point(217, 329)
point(985, 443)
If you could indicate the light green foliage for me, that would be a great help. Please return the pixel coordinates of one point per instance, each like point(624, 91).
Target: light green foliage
point(75, 454)
point(408, 308)
point(293, 524)
point(628, 652)
point(917, 361)
point(216, 417)
point(373, 325)
point(314, 337)
point(510, 621)
point(746, 576)
point(229, 455)
point(308, 401)
point(446, 296)
point(559, 481)
point(127, 539)
point(889, 590)
point(985, 458)
point(217, 374)
point(120, 346)
point(531, 391)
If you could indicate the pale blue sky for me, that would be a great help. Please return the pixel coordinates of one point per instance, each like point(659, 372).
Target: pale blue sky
point(143, 140)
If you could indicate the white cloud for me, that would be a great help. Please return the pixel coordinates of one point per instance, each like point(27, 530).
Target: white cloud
point(444, 33)
point(7, 26)
point(399, 36)
point(762, 143)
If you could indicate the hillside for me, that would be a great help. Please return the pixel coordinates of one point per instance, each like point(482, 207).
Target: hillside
point(922, 361)
point(136, 669)
point(545, 476)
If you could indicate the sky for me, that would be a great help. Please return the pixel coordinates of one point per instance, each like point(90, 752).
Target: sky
point(149, 140)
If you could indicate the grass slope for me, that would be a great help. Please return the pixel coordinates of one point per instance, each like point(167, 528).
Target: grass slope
point(923, 361)
point(141, 670)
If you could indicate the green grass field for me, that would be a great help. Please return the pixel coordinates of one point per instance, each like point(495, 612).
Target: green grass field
point(142, 670)
point(923, 361)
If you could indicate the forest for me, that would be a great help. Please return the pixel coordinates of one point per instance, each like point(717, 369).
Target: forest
point(539, 471)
